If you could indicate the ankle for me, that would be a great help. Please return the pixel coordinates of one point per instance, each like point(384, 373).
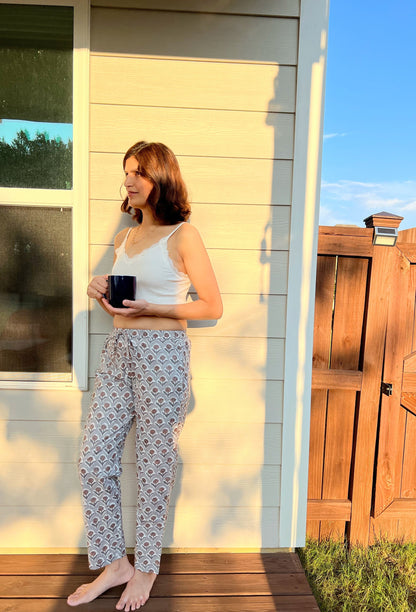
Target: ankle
point(119, 564)
point(138, 572)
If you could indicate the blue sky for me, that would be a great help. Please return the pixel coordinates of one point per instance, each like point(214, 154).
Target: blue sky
point(369, 152)
point(10, 127)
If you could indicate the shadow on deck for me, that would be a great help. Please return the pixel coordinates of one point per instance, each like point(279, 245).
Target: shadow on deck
point(188, 582)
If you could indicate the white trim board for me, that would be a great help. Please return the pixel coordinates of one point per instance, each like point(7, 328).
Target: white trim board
point(302, 270)
point(81, 110)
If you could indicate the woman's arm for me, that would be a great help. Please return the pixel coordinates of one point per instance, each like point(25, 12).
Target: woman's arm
point(197, 265)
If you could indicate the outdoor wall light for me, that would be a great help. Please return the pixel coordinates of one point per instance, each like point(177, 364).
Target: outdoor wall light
point(385, 236)
point(385, 228)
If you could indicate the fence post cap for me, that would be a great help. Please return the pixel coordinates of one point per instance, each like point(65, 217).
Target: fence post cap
point(383, 219)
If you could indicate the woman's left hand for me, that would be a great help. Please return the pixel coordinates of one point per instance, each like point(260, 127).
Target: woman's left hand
point(134, 308)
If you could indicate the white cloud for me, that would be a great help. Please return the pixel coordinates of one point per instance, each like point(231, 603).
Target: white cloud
point(327, 216)
point(334, 135)
point(411, 206)
point(351, 201)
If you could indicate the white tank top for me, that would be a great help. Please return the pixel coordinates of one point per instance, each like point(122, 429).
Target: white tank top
point(158, 281)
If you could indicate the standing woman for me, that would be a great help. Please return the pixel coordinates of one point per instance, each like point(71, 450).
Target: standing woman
point(144, 373)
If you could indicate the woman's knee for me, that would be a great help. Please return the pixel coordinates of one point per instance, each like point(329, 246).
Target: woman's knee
point(98, 461)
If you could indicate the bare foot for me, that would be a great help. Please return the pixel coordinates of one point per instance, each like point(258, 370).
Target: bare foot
point(137, 591)
point(118, 572)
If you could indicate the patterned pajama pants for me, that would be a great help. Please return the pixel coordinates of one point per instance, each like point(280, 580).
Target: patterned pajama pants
point(143, 376)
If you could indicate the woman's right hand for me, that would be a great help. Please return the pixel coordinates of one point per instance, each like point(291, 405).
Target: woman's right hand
point(98, 287)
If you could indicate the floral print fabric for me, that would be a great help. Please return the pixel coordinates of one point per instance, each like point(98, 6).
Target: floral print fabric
point(143, 377)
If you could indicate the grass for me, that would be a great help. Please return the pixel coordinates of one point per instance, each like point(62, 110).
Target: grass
point(381, 577)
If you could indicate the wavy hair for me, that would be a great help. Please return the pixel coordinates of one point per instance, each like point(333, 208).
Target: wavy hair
point(169, 196)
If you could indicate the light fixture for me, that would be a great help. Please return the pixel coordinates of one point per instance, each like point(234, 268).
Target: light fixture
point(385, 228)
point(385, 236)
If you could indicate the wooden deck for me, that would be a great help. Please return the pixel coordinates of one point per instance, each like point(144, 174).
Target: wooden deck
point(188, 582)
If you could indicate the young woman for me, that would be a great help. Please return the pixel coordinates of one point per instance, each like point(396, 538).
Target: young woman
point(144, 373)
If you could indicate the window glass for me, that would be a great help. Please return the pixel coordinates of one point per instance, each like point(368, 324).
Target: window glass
point(36, 289)
point(36, 67)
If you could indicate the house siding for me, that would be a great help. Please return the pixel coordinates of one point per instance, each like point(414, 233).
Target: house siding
point(234, 145)
point(225, 105)
point(217, 85)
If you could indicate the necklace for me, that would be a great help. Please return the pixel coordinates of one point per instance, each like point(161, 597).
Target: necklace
point(137, 234)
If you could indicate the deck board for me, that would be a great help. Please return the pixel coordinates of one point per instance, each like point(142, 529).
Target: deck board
point(178, 563)
point(188, 582)
point(304, 603)
point(166, 585)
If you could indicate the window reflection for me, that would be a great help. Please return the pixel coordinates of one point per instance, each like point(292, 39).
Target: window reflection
point(35, 289)
point(36, 63)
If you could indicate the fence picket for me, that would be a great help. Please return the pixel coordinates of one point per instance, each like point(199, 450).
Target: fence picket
point(325, 286)
point(345, 354)
point(391, 417)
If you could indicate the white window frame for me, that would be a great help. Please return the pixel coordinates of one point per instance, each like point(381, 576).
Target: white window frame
point(77, 200)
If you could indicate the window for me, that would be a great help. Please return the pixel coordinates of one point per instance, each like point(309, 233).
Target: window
point(36, 73)
point(43, 193)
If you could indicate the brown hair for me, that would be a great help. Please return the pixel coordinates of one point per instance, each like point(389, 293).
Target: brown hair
point(169, 196)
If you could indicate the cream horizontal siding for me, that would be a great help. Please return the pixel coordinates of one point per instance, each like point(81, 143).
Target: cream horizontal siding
point(189, 132)
point(223, 358)
point(223, 401)
point(215, 401)
point(237, 271)
point(204, 485)
point(52, 442)
point(216, 84)
point(192, 84)
point(227, 528)
point(288, 8)
point(44, 480)
point(194, 35)
point(254, 226)
point(245, 316)
point(209, 179)
point(230, 120)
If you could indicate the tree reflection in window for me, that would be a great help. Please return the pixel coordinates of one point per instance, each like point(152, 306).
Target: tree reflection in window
point(35, 163)
point(36, 68)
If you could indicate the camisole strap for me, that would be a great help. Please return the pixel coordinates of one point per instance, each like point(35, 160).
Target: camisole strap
point(176, 228)
point(123, 244)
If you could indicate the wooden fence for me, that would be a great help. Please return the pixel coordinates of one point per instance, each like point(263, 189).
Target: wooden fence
point(362, 468)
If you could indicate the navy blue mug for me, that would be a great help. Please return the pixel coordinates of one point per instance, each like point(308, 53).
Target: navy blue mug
point(121, 288)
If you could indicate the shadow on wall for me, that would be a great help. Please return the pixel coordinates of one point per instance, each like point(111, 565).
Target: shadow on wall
point(234, 493)
point(276, 238)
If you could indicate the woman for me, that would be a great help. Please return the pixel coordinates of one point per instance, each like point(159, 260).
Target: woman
point(144, 373)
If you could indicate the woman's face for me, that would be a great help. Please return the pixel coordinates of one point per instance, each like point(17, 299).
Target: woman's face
point(138, 187)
